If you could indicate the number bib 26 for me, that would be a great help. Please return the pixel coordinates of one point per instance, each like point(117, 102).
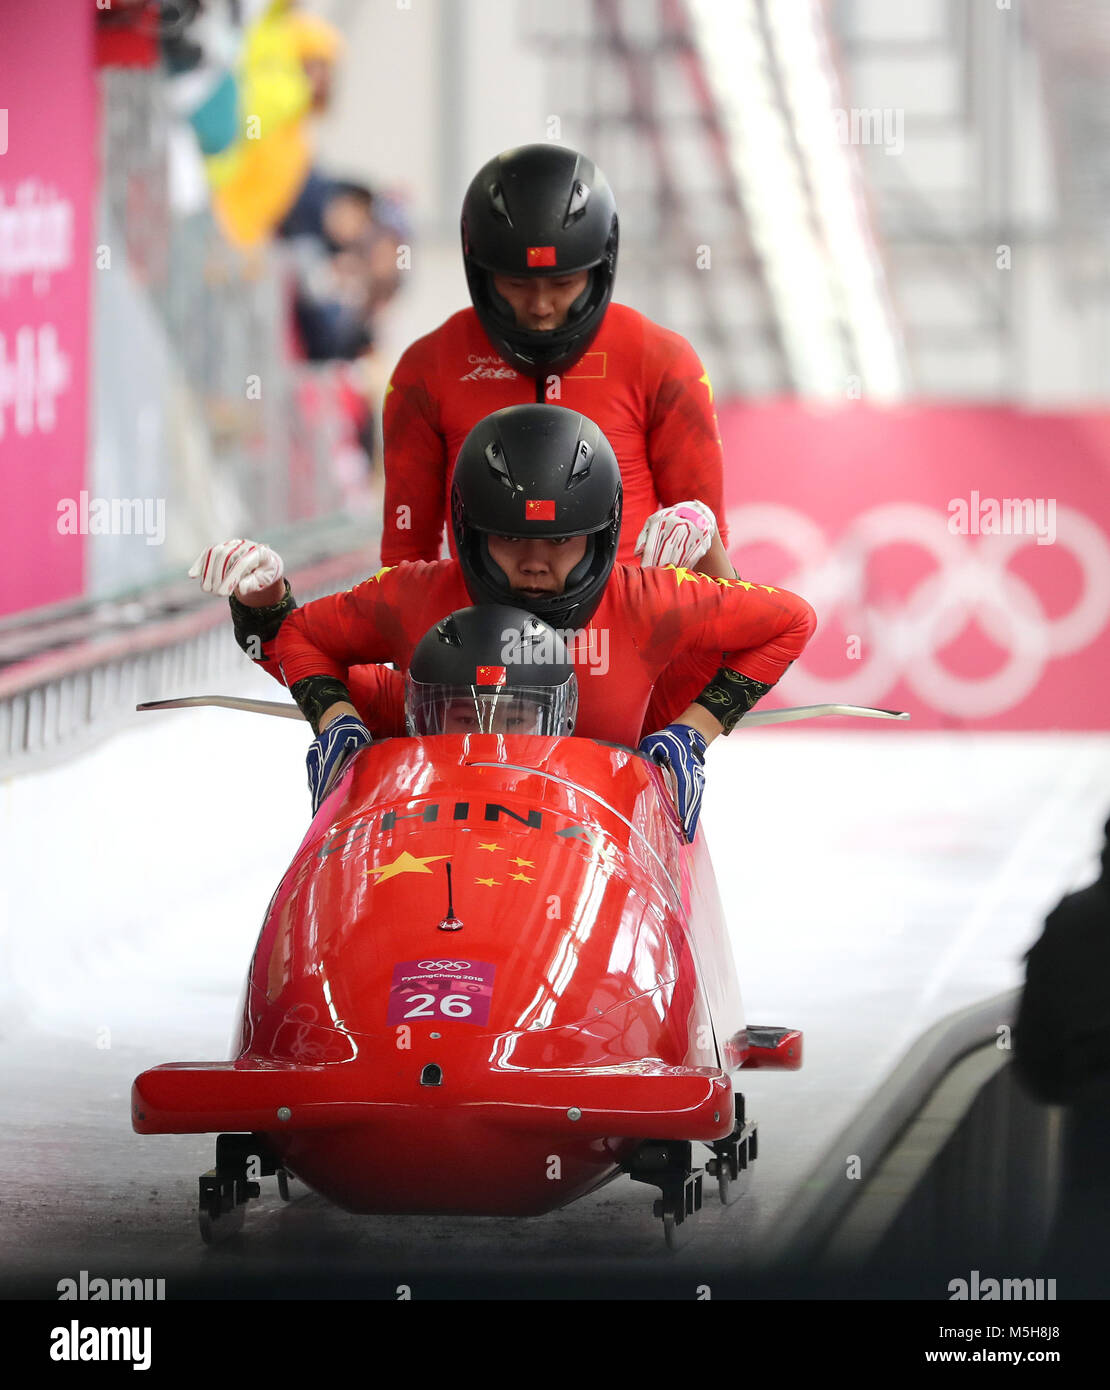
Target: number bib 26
point(441, 988)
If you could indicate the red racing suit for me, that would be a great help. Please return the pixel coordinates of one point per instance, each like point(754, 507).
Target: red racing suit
point(643, 385)
point(646, 618)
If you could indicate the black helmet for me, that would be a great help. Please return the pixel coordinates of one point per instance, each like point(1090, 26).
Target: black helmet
point(540, 210)
point(491, 669)
point(537, 470)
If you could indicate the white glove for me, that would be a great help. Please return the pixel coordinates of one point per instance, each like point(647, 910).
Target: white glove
point(678, 535)
point(241, 566)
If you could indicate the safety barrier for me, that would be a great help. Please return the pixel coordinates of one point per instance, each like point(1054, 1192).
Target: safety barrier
point(54, 703)
point(955, 1165)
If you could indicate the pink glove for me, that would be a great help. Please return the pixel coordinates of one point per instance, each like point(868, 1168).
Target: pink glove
point(678, 535)
point(244, 567)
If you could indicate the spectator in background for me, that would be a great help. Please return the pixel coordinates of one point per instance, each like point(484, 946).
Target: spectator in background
point(200, 55)
point(1062, 1056)
point(285, 76)
point(344, 241)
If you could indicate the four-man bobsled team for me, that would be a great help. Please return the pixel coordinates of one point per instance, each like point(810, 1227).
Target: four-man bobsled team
point(543, 503)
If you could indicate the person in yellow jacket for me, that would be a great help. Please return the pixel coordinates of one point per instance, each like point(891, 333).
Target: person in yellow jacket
point(285, 75)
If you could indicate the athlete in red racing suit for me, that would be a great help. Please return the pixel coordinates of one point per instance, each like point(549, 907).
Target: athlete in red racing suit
point(539, 234)
point(643, 385)
point(536, 508)
point(648, 616)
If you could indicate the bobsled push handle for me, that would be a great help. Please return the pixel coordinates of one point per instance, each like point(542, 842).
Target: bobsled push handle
point(286, 711)
point(787, 716)
point(275, 707)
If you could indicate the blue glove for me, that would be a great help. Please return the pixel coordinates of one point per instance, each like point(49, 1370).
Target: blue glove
point(328, 755)
point(682, 749)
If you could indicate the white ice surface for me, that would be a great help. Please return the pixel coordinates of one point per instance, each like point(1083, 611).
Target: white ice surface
point(137, 876)
point(874, 881)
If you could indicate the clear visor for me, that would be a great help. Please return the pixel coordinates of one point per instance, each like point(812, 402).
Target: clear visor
point(465, 709)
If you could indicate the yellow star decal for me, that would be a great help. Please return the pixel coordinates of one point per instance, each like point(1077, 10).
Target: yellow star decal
point(389, 389)
point(491, 847)
point(405, 863)
point(522, 878)
point(684, 574)
point(384, 570)
point(708, 385)
point(488, 882)
point(523, 863)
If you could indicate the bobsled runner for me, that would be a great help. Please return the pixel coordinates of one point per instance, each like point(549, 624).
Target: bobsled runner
point(494, 977)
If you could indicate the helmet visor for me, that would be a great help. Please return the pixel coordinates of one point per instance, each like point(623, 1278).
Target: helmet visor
point(470, 709)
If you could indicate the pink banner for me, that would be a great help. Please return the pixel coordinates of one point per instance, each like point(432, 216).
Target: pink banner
point(958, 558)
point(47, 185)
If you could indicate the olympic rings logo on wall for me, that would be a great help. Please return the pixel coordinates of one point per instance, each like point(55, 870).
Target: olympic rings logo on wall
point(443, 964)
point(971, 582)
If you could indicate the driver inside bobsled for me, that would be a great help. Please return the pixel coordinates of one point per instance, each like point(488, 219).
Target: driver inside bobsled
point(491, 669)
point(457, 683)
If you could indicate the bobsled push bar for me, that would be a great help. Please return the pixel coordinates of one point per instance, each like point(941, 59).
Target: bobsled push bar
point(770, 716)
point(281, 708)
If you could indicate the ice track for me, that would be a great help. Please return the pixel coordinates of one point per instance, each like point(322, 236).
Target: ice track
point(874, 880)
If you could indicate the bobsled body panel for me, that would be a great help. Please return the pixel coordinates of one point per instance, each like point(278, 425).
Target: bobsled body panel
point(495, 951)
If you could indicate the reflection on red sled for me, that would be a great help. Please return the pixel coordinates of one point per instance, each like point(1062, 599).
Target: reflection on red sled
point(494, 977)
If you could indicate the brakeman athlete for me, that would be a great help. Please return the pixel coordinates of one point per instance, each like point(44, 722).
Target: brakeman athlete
point(539, 240)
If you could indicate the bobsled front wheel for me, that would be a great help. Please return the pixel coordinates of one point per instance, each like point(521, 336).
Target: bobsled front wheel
point(222, 1207)
point(731, 1186)
point(214, 1230)
point(666, 1164)
point(732, 1157)
point(678, 1232)
point(241, 1159)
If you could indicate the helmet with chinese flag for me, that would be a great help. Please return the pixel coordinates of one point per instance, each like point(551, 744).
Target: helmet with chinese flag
point(545, 472)
point(491, 670)
point(540, 210)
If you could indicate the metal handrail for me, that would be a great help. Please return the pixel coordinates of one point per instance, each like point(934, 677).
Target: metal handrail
point(52, 705)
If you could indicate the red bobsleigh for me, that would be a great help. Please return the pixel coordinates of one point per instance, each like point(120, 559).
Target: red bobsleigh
point(500, 950)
